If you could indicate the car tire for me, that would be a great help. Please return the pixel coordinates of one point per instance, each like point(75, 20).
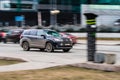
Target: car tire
point(25, 46)
point(49, 47)
point(66, 50)
point(4, 40)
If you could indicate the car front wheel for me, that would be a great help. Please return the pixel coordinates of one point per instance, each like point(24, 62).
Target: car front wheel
point(4, 40)
point(26, 46)
point(49, 47)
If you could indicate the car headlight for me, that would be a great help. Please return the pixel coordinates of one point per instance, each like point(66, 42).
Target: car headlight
point(70, 39)
point(58, 39)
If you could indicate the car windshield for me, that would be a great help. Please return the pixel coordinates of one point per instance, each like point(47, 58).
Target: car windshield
point(53, 33)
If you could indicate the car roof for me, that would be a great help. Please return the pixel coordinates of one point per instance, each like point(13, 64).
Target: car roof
point(39, 29)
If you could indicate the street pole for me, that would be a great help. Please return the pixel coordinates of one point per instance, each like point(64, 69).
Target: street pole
point(91, 35)
point(74, 19)
point(53, 13)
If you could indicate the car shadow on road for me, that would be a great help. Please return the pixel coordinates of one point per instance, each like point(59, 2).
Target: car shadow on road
point(56, 51)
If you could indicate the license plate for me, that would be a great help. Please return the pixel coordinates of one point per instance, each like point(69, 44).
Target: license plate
point(67, 44)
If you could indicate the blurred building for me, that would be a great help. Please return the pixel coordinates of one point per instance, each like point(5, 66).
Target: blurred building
point(25, 12)
point(18, 12)
point(108, 12)
point(70, 10)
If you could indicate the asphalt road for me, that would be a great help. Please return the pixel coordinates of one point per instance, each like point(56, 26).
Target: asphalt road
point(14, 50)
point(79, 51)
point(37, 59)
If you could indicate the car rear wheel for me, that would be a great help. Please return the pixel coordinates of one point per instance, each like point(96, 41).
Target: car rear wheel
point(26, 46)
point(66, 50)
point(49, 47)
point(4, 40)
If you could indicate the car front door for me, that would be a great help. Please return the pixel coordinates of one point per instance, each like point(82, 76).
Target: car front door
point(33, 38)
point(40, 42)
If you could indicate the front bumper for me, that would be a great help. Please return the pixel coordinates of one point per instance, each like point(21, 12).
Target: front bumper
point(63, 45)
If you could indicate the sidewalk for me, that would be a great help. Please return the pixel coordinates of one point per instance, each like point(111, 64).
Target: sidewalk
point(33, 65)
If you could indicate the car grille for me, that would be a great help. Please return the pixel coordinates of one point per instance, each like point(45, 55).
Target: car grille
point(66, 40)
point(65, 44)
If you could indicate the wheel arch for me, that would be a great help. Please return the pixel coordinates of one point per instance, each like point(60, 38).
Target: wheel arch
point(25, 41)
point(50, 41)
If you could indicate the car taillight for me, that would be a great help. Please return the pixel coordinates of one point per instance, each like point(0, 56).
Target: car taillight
point(20, 36)
point(3, 34)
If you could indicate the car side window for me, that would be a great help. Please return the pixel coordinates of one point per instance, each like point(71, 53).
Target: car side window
point(26, 32)
point(33, 32)
point(39, 33)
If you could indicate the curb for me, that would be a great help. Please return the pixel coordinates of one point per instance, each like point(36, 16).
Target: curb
point(104, 66)
point(11, 58)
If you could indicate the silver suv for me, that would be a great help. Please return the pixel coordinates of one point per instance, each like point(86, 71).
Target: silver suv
point(44, 39)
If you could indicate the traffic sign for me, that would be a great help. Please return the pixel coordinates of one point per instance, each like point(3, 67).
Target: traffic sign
point(19, 18)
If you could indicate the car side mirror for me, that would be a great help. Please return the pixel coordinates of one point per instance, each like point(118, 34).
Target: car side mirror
point(43, 36)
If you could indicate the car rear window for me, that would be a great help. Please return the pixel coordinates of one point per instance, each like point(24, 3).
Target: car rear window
point(33, 32)
point(26, 32)
point(30, 32)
